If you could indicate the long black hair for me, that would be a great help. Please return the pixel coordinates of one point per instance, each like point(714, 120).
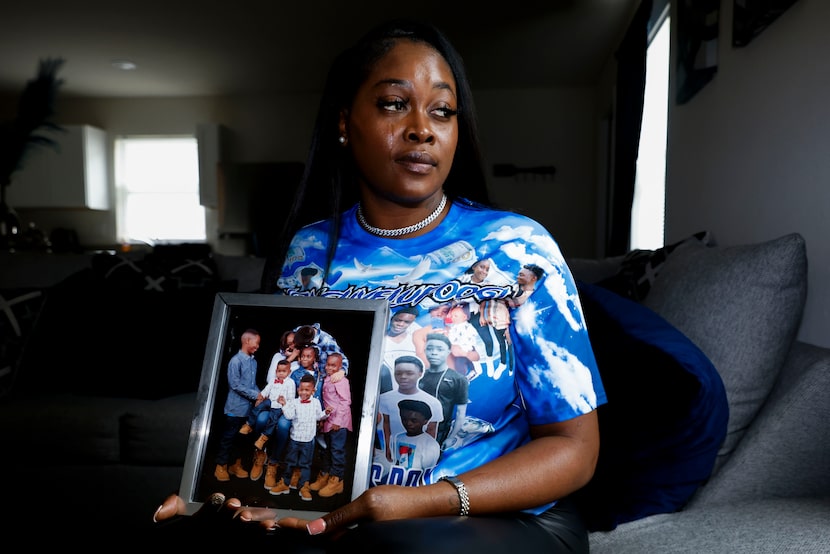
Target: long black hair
point(329, 182)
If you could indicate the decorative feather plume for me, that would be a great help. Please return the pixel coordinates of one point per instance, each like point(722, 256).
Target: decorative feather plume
point(35, 111)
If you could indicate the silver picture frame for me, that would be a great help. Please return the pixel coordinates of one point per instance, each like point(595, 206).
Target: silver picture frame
point(358, 326)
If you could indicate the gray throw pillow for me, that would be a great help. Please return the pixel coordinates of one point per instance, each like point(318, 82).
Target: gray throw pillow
point(741, 305)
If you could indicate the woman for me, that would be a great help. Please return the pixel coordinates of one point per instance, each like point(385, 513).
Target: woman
point(395, 147)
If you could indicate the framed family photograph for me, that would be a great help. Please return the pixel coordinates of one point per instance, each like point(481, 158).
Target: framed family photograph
point(258, 329)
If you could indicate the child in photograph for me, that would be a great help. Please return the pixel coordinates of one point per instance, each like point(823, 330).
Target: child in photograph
point(304, 412)
point(268, 400)
point(308, 368)
point(337, 398)
point(242, 391)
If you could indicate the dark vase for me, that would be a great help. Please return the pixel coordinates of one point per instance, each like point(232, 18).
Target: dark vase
point(9, 224)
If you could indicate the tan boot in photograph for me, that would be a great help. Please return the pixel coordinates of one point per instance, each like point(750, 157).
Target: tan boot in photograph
point(279, 488)
point(245, 429)
point(270, 476)
point(295, 478)
point(259, 461)
point(334, 486)
point(260, 442)
point(237, 470)
point(322, 481)
point(305, 493)
point(221, 472)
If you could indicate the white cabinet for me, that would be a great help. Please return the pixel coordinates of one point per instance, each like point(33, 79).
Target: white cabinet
point(72, 176)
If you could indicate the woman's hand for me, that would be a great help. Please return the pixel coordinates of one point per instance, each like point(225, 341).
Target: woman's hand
point(218, 509)
point(384, 502)
point(380, 503)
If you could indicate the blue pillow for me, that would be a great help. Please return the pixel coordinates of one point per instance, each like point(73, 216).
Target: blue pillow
point(665, 418)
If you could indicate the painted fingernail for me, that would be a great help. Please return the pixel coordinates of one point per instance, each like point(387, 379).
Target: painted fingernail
point(316, 527)
point(157, 513)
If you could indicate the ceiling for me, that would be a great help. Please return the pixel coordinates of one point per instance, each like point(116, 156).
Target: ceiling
point(207, 47)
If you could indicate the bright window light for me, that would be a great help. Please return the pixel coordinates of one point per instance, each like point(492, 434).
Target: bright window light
point(157, 190)
point(648, 208)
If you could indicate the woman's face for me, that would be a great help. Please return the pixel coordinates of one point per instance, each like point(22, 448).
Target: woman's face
point(402, 127)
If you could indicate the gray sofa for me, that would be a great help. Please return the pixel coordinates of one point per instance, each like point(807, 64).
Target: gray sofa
point(68, 442)
point(770, 485)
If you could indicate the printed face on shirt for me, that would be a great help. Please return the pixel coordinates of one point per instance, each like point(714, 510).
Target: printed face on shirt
point(481, 270)
point(333, 363)
point(413, 422)
point(307, 357)
point(526, 277)
point(305, 390)
point(458, 315)
point(399, 323)
point(407, 376)
point(283, 371)
point(436, 352)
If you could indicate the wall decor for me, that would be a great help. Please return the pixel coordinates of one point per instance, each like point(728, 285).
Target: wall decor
point(750, 17)
point(697, 46)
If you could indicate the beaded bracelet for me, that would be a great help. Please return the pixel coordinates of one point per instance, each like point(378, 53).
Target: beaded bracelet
point(463, 497)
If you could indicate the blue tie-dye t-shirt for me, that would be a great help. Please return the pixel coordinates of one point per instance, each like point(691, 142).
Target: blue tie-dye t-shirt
point(544, 372)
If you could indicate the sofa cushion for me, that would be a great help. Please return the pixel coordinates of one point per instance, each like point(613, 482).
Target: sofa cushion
point(742, 306)
point(665, 418)
point(166, 268)
point(156, 433)
point(57, 426)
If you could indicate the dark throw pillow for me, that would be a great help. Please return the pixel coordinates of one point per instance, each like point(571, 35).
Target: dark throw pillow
point(167, 268)
point(639, 268)
point(665, 418)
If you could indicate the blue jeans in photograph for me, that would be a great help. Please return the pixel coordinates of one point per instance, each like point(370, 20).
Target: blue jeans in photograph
point(279, 440)
point(334, 455)
point(228, 448)
point(264, 418)
point(299, 455)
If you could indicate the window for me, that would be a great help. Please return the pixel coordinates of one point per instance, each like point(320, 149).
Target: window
point(648, 207)
point(157, 190)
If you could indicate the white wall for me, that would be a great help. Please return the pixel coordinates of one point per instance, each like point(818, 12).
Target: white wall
point(749, 154)
point(522, 127)
point(530, 128)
